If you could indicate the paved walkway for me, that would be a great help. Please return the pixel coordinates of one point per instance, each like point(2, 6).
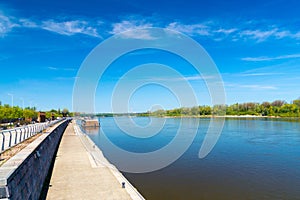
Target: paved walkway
point(76, 177)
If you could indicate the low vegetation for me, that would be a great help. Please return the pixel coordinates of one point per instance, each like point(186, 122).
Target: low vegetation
point(15, 114)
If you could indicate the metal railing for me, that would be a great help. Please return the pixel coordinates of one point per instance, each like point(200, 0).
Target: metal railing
point(12, 137)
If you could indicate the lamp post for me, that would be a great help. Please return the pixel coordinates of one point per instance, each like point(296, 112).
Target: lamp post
point(12, 99)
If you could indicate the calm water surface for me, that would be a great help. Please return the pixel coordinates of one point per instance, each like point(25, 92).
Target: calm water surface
point(253, 159)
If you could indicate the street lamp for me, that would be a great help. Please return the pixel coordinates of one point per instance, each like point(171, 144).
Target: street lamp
point(12, 99)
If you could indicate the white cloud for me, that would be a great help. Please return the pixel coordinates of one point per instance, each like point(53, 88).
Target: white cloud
point(259, 74)
point(138, 34)
point(211, 29)
point(251, 86)
point(132, 29)
point(262, 35)
point(296, 35)
point(266, 58)
point(61, 68)
point(218, 34)
point(53, 68)
point(6, 25)
point(183, 78)
point(258, 35)
point(226, 31)
point(283, 34)
point(259, 87)
point(200, 77)
point(190, 29)
point(126, 25)
point(27, 23)
point(193, 78)
point(70, 27)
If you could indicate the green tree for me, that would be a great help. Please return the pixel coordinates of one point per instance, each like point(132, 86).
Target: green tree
point(65, 112)
point(29, 114)
point(195, 111)
point(205, 110)
point(278, 103)
point(297, 102)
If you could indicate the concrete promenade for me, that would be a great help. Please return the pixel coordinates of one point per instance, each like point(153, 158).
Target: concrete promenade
point(81, 172)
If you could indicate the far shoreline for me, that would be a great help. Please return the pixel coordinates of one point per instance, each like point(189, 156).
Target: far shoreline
point(225, 116)
point(205, 116)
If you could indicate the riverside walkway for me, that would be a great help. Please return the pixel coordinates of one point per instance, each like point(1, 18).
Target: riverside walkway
point(82, 172)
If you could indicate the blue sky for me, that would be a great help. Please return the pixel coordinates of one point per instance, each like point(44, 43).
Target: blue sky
point(255, 45)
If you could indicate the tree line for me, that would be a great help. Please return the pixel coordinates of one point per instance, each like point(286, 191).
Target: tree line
point(28, 114)
point(278, 108)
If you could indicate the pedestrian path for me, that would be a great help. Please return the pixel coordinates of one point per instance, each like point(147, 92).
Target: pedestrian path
point(76, 176)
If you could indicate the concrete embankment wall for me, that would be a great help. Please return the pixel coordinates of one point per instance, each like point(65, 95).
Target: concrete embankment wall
point(23, 176)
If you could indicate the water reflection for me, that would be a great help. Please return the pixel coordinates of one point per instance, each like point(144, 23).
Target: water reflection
point(91, 130)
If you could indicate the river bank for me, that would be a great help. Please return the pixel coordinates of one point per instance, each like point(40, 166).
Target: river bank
point(228, 116)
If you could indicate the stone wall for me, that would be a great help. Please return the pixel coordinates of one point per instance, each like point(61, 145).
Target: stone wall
point(23, 176)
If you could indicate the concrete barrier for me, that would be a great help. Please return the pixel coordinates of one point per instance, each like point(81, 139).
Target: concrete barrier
point(23, 175)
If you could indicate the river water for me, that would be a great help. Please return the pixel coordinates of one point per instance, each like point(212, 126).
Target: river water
point(253, 159)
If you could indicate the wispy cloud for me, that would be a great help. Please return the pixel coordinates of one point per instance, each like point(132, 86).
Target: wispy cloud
point(61, 68)
point(266, 58)
point(194, 78)
point(258, 35)
point(262, 35)
point(190, 29)
point(142, 52)
point(132, 29)
point(226, 31)
point(214, 31)
point(27, 23)
point(70, 27)
point(6, 25)
point(53, 68)
point(259, 74)
point(251, 86)
point(199, 77)
point(285, 70)
point(233, 33)
point(127, 25)
point(183, 78)
point(259, 87)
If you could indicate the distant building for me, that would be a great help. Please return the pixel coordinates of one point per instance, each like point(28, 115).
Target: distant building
point(90, 123)
point(41, 117)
